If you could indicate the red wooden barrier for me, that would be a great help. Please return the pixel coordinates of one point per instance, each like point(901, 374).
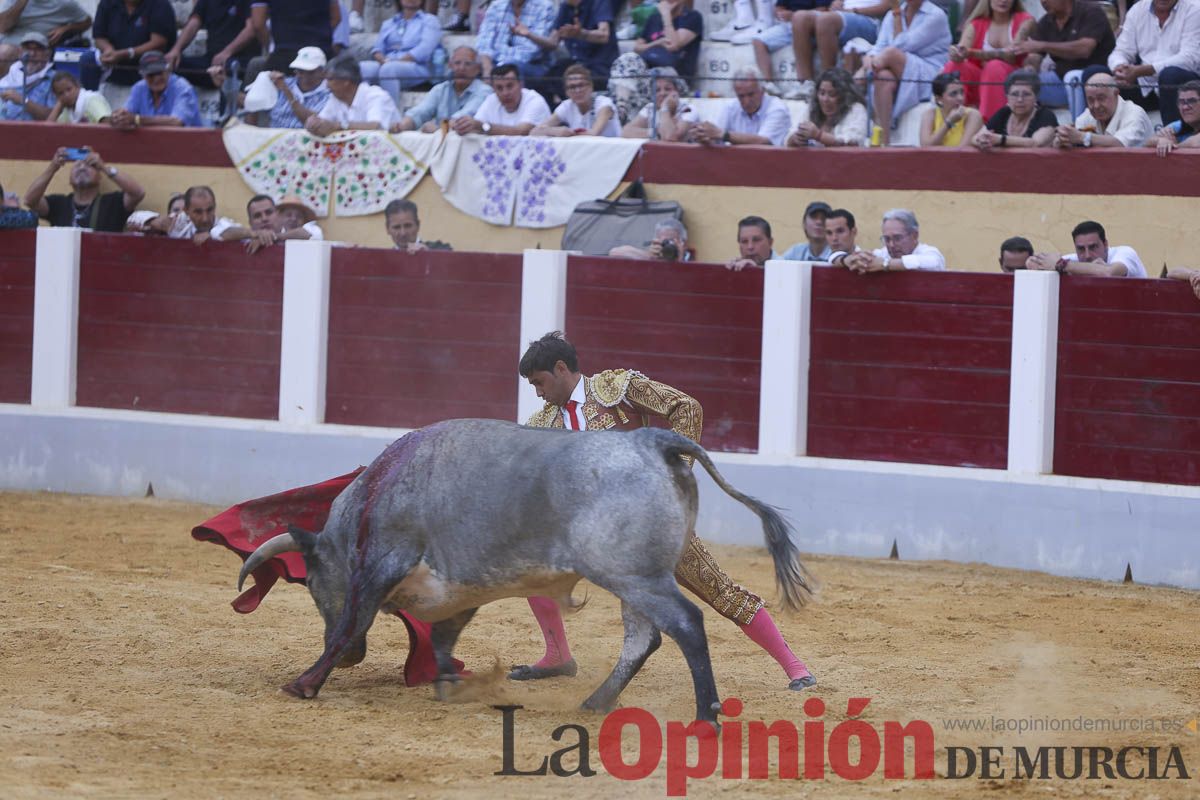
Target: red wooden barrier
point(910, 367)
point(1128, 392)
point(16, 314)
point(414, 339)
point(168, 326)
point(697, 327)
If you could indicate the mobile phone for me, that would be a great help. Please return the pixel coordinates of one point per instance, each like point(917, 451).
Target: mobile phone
point(77, 153)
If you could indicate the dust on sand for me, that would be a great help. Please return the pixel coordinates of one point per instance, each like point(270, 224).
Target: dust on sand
point(126, 673)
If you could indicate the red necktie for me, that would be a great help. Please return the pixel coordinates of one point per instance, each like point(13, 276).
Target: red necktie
point(571, 404)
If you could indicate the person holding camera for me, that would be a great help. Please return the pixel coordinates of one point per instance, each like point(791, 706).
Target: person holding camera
point(85, 207)
point(669, 244)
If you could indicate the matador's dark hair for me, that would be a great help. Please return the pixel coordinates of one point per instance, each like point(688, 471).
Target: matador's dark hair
point(547, 351)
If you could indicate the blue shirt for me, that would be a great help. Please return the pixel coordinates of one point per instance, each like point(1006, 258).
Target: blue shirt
point(1181, 135)
point(179, 100)
point(496, 39)
point(37, 90)
point(443, 102)
point(282, 115)
point(803, 252)
point(417, 37)
point(299, 23)
point(124, 30)
point(684, 61)
point(589, 14)
point(927, 38)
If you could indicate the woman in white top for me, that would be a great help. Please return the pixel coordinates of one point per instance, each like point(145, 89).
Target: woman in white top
point(583, 112)
point(835, 117)
point(675, 118)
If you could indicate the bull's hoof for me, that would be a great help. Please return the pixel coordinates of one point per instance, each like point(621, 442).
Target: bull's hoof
point(532, 672)
point(297, 689)
point(441, 686)
point(598, 706)
point(800, 684)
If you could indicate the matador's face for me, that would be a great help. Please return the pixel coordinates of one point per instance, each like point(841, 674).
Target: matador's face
point(554, 387)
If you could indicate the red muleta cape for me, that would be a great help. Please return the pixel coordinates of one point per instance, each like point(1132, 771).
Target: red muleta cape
point(247, 525)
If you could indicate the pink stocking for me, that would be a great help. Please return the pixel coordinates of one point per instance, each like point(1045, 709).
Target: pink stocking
point(762, 632)
point(549, 617)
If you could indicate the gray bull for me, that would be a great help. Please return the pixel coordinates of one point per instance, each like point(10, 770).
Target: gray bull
point(465, 512)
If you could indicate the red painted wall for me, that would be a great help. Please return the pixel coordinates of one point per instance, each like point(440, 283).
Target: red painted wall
point(1128, 392)
point(168, 326)
point(16, 314)
point(414, 339)
point(697, 327)
point(910, 367)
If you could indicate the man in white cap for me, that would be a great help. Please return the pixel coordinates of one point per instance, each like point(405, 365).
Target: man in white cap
point(303, 95)
point(25, 91)
point(354, 105)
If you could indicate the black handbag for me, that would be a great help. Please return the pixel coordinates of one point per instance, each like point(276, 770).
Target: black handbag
point(597, 226)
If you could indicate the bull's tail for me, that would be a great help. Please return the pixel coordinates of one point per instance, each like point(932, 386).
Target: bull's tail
point(795, 583)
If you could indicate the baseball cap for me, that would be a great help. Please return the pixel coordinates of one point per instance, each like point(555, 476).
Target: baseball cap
point(817, 207)
point(309, 58)
point(33, 37)
point(152, 62)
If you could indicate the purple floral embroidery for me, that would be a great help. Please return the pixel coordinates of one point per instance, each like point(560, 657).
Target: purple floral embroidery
point(543, 169)
point(500, 169)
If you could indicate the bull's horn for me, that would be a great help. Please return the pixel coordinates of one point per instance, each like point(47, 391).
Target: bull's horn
point(276, 545)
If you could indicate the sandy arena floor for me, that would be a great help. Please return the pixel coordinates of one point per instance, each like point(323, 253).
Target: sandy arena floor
point(126, 674)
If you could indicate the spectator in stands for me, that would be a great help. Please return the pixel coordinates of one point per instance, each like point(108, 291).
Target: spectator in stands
point(753, 117)
point(512, 110)
point(1021, 123)
point(1181, 132)
point(1074, 34)
point(517, 32)
point(841, 233)
point(1110, 121)
point(299, 97)
point(583, 112)
point(1191, 275)
point(674, 118)
point(902, 248)
point(74, 104)
point(59, 21)
point(199, 221)
point(830, 30)
point(461, 96)
point(585, 29)
point(175, 204)
point(403, 53)
point(755, 244)
point(1092, 256)
point(461, 23)
point(297, 220)
point(815, 247)
point(1158, 50)
point(271, 223)
point(25, 91)
point(751, 18)
point(290, 25)
point(949, 122)
point(404, 228)
point(85, 207)
point(231, 36)
point(160, 98)
point(776, 35)
point(671, 37)
point(124, 31)
point(913, 43)
point(836, 118)
point(12, 216)
point(352, 105)
point(669, 244)
point(1014, 253)
point(983, 57)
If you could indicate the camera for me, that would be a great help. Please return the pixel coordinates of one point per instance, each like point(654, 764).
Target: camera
point(670, 250)
point(77, 153)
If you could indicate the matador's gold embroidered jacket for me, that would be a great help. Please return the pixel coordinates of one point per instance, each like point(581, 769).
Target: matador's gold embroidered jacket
point(622, 399)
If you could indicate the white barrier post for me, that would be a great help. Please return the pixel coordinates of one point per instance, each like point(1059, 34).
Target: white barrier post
point(1033, 372)
point(786, 341)
point(543, 309)
point(55, 318)
point(305, 332)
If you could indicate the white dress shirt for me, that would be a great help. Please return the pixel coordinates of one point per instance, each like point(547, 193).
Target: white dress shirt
point(771, 121)
point(578, 396)
point(532, 110)
point(1134, 268)
point(370, 104)
point(1176, 44)
point(925, 256)
point(1129, 124)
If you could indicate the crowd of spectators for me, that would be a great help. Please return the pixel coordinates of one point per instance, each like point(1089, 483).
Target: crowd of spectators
point(276, 60)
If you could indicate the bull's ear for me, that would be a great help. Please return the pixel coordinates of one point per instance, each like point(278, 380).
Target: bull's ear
point(306, 539)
